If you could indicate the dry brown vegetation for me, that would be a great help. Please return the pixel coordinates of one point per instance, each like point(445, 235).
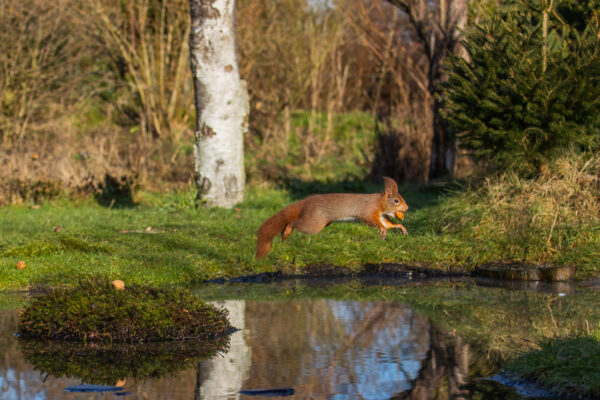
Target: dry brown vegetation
point(357, 56)
point(104, 87)
point(533, 219)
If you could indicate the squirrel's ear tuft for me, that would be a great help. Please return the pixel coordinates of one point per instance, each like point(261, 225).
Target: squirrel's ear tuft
point(390, 186)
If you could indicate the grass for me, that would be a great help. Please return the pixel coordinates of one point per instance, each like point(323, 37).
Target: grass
point(567, 365)
point(162, 240)
point(165, 239)
point(341, 151)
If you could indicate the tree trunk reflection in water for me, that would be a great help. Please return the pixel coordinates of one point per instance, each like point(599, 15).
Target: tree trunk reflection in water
point(446, 366)
point(324, 347)
point(225, 374)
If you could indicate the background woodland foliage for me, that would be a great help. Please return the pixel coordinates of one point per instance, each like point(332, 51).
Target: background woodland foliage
point(102, 89)
point(531, 90)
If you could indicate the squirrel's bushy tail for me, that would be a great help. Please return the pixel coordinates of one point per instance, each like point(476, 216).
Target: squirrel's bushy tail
point(267, 231)
point(280, 223)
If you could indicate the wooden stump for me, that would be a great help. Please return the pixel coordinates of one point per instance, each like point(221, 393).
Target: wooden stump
point(526, 272)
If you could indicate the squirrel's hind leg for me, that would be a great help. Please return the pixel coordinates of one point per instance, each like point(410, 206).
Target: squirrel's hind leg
point(287, 231)
point(382, 233)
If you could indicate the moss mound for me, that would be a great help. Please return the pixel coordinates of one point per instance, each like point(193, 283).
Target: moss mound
point(105, 364)
point(94, 311)
point(569, 366)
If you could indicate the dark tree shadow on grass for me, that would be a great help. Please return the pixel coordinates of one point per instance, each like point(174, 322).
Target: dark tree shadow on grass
point(115, 192)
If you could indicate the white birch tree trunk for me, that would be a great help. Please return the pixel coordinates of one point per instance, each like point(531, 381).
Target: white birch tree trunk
point(221, 99)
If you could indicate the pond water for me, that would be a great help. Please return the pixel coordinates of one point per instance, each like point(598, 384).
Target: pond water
point(334, 340)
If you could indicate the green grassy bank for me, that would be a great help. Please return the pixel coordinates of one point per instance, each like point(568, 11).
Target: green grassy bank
point(166, 239)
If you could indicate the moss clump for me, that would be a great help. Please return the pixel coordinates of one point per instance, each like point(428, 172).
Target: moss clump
point(95, 311)
point(569, 366)
point(106, 364)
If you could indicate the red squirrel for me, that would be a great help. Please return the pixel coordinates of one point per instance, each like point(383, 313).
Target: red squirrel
point(315, 212)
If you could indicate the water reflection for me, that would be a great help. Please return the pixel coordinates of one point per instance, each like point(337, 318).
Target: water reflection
point(110, 364)
point(334, 349)
point(225, 375)
point(319, 348)
point(444, 372)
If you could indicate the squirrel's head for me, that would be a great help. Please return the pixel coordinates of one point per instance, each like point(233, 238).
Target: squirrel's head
point(393, 201)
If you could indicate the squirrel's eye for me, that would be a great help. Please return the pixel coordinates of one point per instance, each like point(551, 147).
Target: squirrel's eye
point(396, 201)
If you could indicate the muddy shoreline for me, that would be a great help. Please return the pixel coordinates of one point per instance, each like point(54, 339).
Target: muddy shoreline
point(329, 271)
point(486, 272)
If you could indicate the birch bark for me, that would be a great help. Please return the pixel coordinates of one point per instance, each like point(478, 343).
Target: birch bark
point(221, 100)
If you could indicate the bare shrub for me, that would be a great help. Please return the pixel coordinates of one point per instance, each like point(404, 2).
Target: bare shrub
point(400, 155)
point(104, 87)
point(71, 106)
point(324, 61)
point(399, 89)
point(291, 55)
point(147, 44)
point(39, 67)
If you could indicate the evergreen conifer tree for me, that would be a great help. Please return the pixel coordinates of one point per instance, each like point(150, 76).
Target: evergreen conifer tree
point(531, 90)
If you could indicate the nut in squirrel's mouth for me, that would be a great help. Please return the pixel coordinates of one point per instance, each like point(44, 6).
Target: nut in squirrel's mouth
point(399, 215)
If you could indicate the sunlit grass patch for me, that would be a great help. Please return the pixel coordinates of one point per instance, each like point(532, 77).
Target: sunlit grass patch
point(49, 246)
point(552, 218)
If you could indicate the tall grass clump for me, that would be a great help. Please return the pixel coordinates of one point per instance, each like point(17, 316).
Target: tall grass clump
point(553, 217)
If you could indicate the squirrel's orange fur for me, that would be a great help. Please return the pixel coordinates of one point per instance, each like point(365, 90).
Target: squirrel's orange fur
point(314, 213)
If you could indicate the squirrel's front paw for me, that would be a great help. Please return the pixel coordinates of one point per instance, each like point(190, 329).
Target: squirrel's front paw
point(402, 228)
